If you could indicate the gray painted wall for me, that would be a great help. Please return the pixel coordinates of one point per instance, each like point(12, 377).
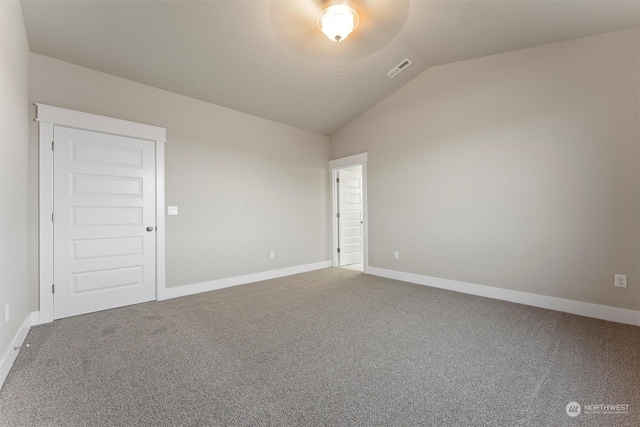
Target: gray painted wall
point(518, 171)
point(244, 185)
point(14, 148)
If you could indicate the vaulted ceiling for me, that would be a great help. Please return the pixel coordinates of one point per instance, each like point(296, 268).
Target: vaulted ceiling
point(268, 57)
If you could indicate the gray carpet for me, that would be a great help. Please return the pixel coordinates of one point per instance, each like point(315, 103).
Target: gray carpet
point(327, 348)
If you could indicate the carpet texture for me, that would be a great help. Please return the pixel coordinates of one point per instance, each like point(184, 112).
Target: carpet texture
point(327, 348)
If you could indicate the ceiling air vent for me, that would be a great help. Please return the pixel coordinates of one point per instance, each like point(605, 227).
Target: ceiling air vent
point(398, 68)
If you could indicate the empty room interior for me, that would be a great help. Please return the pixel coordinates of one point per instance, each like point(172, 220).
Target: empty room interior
point(320, 213)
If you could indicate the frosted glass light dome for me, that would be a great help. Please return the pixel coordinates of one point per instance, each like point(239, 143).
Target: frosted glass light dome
point(338, 21)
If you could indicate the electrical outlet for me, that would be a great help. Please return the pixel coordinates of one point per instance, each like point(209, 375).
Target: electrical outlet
point(620, 281)
point(6, 312)
point(272, 254)
point(396, 255)
point(172, 210)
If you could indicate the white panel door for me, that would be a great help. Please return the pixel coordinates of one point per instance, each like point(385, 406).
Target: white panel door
point(350, 219)
point(104, 221)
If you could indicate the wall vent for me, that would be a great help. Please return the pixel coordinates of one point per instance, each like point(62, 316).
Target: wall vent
point(398, 68)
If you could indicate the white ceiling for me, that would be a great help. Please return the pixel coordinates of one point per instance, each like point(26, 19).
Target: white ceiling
point(244, 55)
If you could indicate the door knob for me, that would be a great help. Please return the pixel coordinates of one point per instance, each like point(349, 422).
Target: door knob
point(149, 228)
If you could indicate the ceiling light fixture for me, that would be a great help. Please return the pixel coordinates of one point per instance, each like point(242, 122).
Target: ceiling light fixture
point(338, 21)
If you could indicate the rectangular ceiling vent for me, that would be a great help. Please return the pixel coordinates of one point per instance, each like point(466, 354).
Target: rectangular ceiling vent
point(398, 68)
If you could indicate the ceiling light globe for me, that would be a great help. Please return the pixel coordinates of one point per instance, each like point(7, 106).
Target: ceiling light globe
point(338, 21)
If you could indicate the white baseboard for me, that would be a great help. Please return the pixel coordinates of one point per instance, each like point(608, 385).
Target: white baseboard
point(35, 319)
point(604, 312)
point(11, 353)
point(196, 288)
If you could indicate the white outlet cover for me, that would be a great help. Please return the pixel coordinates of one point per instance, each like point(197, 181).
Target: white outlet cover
point(272, 254)
point(172, 210)
point(396, 255)
point(620, 281)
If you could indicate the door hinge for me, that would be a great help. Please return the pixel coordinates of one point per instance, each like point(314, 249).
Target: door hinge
point(53, 288)
point(51, 216)
point(338, 180)
point(52, 145)
point(338, 250)
point(338, 215)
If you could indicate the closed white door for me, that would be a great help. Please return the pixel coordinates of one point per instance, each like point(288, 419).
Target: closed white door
point(350, 219)
point(104, 221)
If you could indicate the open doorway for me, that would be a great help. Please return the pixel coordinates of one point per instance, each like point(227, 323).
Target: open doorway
point(349, 212)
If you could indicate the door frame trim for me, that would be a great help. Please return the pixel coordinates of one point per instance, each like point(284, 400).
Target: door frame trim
point(342, 163)
point(47, 117)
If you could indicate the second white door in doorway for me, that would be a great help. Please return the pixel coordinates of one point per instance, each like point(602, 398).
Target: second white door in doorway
point(350, 221)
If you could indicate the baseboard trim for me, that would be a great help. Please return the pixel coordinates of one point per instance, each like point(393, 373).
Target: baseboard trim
point(603, 312)
point(35, 319)
point(11, 353)
point(196, 288)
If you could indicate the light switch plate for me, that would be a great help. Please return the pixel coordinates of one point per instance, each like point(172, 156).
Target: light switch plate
point(172, 210)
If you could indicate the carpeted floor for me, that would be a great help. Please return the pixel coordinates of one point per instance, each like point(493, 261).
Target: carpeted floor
point(327, 348)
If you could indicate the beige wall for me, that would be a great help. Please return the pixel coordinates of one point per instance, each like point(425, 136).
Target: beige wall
point(519, 171)
point(243, 185)
point(14, 126)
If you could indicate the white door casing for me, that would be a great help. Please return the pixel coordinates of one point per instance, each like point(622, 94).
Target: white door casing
point(92, 181)
point(105, 219)
point(350, 219)
point(334, 166)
